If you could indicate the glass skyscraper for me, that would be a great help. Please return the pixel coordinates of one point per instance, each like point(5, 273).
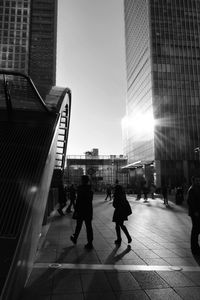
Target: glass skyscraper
point(28, 39)
point(162, 119)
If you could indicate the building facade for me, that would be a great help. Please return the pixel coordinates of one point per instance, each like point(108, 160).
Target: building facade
point(28, 39)
point(103, 170)
point(163, 96)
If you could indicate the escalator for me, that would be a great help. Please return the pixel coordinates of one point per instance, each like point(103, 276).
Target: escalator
point(33, 144)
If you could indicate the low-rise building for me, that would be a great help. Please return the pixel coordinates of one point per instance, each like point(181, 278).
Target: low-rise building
point(102, 169)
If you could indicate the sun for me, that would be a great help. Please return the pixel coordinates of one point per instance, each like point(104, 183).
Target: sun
point(140, 125)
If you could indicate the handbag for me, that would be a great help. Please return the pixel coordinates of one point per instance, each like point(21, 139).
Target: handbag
point(127, 208)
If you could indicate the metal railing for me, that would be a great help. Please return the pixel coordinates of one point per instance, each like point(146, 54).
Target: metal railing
point(28, 152)
point(114, 157)
point(18, 92)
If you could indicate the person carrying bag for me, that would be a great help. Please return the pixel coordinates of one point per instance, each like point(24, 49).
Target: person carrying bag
point(121, 212)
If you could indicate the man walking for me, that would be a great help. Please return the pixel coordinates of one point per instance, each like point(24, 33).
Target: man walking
point(84, 211)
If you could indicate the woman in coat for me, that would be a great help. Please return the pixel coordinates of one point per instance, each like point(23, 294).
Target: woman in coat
point(121, 212)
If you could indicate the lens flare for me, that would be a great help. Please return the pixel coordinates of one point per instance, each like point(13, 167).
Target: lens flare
point(140, 125)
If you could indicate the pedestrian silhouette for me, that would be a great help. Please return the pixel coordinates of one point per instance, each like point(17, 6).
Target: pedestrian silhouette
point(179, 195)
point(72, 198)
point(84, 211)
point(164, 192)
point(193, 200)
point(145, 190)
point(152, 191)
point(61, 192)
point(121, 212)
point(108, 193)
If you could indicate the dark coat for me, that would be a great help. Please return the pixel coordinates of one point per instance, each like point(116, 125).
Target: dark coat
point(72, 193)
point(164, 191)
point(193, 200)
point(120, 204)
point(83, 207)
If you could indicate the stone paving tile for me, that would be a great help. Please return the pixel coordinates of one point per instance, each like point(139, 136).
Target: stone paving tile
point(128, 252)
point(40, 281)
point(137, 245)
point(121, 281)
point(155, 246)
point(156, 237)
point(67, 281)
point(194, 277)
point(90, 271)
point(73, 256)
point(103, 253)
point(155, 261)
point(77, 296)
point(164, 294)
point(165, 253)
point(189, 293)
point(149, 280)
point(175, 278)
point(112, 257)
point(46, 255)
point(171, 246)
point(183, 252)
point(179, 261)
point(99, 296)
point(33, 296)
point(111, 261)
point(88, 260)
point(132, 295)
point(146, 253)
point(107, 233)
point(153, 243)
point(95, 282)
point(134, 261)
point(185, 245)
point(48, 246)
point(102, 246)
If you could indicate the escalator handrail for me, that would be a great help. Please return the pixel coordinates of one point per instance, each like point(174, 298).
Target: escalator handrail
point(68, 91)
point(38, 96)
point(69, 117)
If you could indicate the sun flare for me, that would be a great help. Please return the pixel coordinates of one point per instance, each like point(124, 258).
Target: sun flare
point(140, 125)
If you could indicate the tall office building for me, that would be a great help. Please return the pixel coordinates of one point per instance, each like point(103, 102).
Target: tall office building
point(28, 39)
point(162, 119)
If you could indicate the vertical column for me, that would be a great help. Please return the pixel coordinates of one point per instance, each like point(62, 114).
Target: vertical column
point(158, 173)
point(185, 170)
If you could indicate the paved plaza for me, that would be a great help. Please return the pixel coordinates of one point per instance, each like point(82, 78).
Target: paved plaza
point(158, 264)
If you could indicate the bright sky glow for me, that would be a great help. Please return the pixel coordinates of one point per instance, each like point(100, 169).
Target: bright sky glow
point(91, 62)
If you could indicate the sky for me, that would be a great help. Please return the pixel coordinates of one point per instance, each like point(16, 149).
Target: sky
point(91, 62)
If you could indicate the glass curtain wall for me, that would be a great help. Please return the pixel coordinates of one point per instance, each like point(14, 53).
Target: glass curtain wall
point(175, 27)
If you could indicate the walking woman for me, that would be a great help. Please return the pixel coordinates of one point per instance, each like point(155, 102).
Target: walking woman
point(121, 212)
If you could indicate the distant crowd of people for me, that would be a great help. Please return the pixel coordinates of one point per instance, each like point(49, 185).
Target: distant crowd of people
point(81, 201)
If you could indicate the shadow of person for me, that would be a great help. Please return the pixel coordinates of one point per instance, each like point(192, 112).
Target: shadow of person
point(42, 278)
point(98, 282)
point(197, 258)
point(112, 258)
point(122, 254)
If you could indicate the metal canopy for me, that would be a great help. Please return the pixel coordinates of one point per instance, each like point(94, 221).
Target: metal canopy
point(138, 164)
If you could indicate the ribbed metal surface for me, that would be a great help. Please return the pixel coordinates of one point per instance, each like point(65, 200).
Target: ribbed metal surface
point(62, 139)
point(23, 153)
point(20, 91)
